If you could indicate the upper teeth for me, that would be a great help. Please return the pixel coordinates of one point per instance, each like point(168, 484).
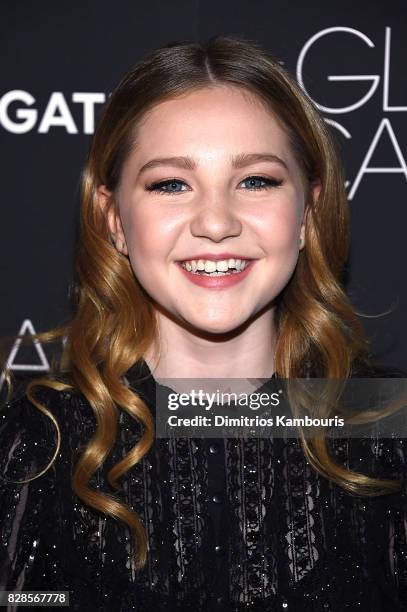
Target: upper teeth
point(214, 266)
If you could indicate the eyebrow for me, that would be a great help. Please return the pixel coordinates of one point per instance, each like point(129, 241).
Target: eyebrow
point(238, 161)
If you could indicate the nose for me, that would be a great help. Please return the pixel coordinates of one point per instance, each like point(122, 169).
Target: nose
point(215, 219)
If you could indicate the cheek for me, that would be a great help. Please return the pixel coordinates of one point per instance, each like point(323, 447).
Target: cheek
point(150, 238)
point(142, 234)
point(279, 237)
point(279, 229)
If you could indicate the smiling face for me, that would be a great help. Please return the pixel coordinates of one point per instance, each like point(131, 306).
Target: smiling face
point(211, 176)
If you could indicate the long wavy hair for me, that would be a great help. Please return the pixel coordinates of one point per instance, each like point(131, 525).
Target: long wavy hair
point(113, 324)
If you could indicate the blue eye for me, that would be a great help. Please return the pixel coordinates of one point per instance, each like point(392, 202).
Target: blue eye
point(170, 186)
point(174, 186)
point(255, 183)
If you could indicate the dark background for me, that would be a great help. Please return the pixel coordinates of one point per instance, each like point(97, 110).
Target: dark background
point(71, 47)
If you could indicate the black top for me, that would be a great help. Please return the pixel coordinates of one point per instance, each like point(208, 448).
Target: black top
point(232, 524)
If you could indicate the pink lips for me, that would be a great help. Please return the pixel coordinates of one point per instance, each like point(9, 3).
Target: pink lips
point(217, 282)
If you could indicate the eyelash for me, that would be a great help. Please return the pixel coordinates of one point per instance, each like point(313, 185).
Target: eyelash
point(159, 187)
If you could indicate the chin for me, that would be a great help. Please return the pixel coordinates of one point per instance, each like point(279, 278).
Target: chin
point(215, 327)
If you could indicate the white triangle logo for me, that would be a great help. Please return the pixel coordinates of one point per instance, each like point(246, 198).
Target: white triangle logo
point(27, 327)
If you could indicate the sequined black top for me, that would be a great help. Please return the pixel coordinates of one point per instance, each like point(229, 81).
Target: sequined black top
point(232, 524)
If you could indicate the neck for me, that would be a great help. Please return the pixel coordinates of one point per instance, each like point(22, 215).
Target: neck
point(248, 354)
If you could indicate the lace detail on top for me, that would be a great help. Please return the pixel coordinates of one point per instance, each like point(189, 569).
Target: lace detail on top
point(232, 524)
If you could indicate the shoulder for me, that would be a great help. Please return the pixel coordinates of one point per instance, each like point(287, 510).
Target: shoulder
point(376, 448)
point(29, 434)
point(375, 369)
point(19, 410)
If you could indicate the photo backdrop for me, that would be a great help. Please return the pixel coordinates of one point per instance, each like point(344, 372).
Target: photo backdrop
point(60, 60)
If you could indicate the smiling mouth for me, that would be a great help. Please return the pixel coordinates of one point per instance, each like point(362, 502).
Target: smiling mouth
point(210, 277)
point(213, 268)
point(215, 273)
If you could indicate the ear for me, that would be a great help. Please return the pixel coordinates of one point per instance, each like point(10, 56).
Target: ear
point(314, 191)
point(105, 201)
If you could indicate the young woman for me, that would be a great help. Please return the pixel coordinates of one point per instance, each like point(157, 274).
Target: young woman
point(214, 230)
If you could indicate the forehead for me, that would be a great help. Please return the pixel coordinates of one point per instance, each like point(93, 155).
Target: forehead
point(211, 121)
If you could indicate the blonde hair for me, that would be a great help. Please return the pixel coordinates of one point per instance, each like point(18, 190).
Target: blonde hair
point(319, 334)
